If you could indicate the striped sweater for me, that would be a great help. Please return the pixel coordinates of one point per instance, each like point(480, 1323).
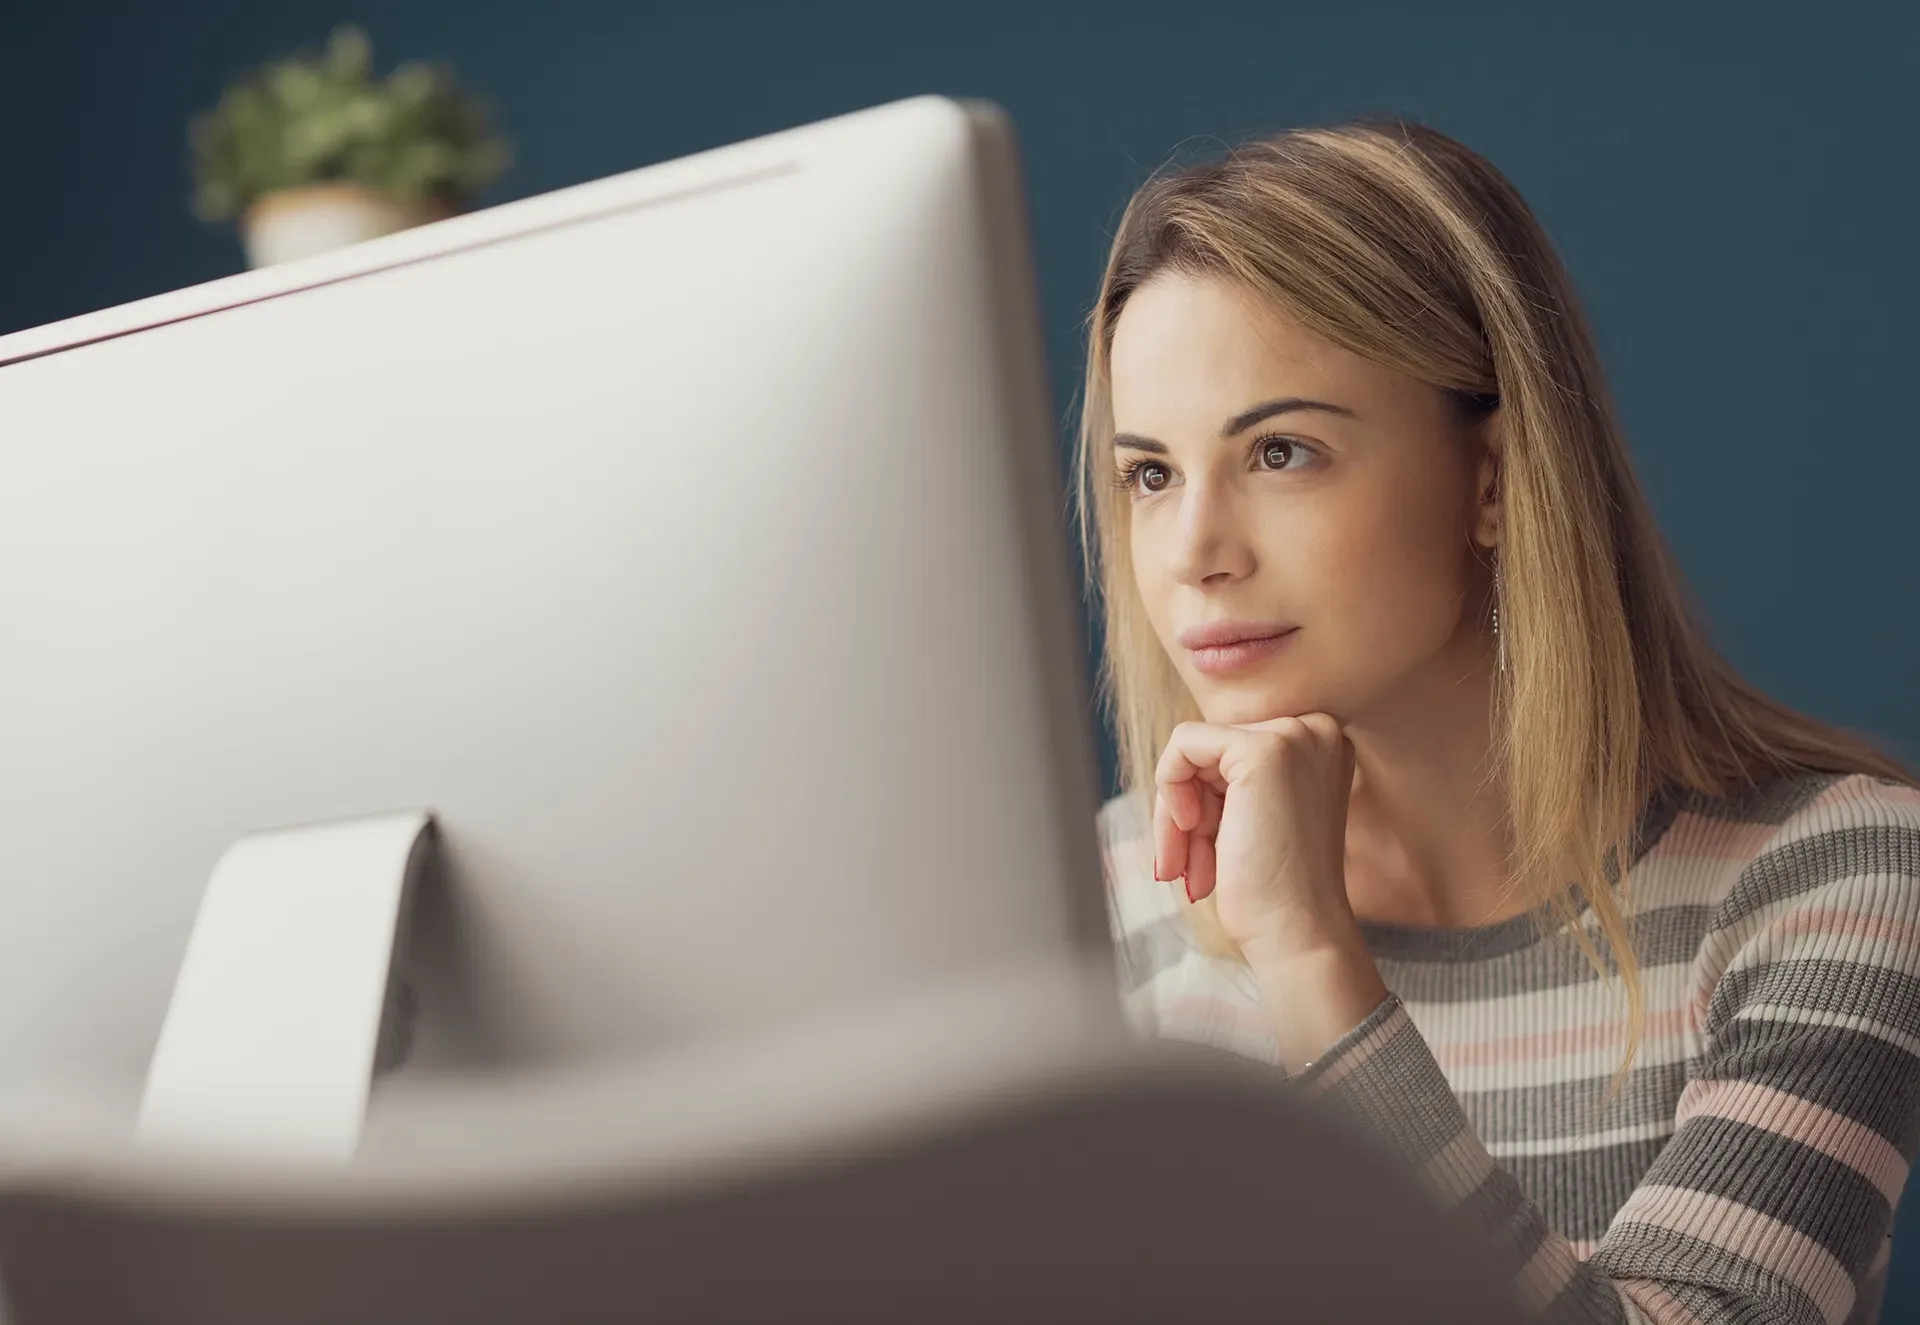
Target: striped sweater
point(1748, 1169)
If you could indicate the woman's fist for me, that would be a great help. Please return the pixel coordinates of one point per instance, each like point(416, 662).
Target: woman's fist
point(1257, 816)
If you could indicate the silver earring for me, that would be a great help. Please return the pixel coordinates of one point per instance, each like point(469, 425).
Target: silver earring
point(1499, 645)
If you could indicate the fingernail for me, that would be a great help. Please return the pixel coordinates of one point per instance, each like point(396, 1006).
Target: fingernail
point(1189, 883)
point(1156, 868)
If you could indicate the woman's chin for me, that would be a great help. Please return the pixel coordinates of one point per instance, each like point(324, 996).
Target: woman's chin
point(1243, 708)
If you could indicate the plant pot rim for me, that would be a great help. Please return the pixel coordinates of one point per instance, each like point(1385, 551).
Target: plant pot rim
point(294, 195)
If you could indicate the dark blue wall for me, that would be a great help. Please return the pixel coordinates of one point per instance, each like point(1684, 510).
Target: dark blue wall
point(1734, 187)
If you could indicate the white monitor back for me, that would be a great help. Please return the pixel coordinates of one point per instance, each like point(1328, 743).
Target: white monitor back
point(689, 542)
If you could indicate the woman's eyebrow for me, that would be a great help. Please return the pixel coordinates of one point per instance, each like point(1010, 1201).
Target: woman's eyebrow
point(1286, 405)
point(1239, 423)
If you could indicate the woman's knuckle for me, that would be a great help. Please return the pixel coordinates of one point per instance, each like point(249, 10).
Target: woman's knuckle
point(1272, 744)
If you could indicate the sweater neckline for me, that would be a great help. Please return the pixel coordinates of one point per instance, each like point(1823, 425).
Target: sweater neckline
point(1477, 942)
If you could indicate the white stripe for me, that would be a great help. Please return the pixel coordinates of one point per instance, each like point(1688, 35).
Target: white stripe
point(1681, 879)
point(1887, 954)
point(1748, 1234)
point(1875, 895)
point(1879, 1030)
point(1584, 1066)
point(1572, 1145)
point(1482, 1020)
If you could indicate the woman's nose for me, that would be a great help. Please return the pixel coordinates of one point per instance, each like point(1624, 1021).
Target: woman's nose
point(1209, 542)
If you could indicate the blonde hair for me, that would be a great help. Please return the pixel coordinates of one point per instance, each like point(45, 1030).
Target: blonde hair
point(1397, 243)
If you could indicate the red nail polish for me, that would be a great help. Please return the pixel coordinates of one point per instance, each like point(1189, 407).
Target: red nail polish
point(1189, 883)
point(1156, 866)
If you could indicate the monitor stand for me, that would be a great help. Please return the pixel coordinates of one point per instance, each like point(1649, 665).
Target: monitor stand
point(274, 1030)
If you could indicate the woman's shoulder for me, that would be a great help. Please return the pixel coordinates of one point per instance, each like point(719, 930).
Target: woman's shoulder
point(1803, 826)
point(1779, 829)
point(1816, 868)
point(1805, 801)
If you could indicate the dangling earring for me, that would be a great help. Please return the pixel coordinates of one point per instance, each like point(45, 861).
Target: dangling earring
point(1499, 644)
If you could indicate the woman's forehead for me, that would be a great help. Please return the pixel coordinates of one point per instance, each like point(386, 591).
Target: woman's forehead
point(1187, 348)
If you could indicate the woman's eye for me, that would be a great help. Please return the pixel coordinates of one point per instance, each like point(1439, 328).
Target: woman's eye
point(1129, 478)
point(1278, 452)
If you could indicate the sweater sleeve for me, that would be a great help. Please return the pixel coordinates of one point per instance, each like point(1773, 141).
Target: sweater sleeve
point(1773, 1199)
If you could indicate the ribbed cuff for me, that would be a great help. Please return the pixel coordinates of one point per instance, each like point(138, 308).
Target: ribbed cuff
point(1353, 1042)
point(1383, 1074)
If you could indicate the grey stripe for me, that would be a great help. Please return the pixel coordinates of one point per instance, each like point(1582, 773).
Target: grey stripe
point(1571, 1109)
point(1563, 1185)
point(1771, 802)
point(1845, 1071)
point(1646, 1251)
point(1819, 861)
point(1814, 984)
point(1663, 936)
point(1791, 1182)
point(1411, 943)
point(1400, 1088)
point(1718, 1305)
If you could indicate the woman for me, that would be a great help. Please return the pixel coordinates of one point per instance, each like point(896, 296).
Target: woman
point(1343, 408)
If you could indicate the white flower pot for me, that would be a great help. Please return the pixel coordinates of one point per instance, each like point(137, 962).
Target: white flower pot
point(293, 223)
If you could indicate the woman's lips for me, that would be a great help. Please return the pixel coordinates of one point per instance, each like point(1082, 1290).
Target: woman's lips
point(1221, 659)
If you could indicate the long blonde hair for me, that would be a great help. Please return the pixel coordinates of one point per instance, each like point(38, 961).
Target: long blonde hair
point(1395, 242)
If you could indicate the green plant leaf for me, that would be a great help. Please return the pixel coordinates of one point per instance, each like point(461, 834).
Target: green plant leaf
point(304, 119)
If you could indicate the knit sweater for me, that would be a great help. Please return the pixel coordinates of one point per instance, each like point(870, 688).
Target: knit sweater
point(1748, 1168)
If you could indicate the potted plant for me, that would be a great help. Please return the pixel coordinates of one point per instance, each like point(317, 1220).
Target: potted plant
point(310, 153)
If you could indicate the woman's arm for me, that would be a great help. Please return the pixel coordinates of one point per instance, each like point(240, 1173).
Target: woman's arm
point(1772, 1201)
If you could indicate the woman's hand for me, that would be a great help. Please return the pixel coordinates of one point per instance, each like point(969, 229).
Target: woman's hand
point(1256, 815)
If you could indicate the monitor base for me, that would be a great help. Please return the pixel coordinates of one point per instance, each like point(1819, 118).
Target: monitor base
point(275, 1027)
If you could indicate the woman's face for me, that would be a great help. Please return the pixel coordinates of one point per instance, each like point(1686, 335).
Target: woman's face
point(1280, 481)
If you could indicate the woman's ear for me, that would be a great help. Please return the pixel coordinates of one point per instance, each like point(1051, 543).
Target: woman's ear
point(1488, 506)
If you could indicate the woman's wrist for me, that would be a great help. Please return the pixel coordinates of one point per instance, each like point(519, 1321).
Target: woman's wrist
point(1315, 994)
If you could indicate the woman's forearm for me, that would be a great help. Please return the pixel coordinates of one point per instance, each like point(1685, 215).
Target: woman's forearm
point(1316, 993)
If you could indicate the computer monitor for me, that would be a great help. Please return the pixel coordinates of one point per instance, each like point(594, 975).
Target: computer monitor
point(689, 542)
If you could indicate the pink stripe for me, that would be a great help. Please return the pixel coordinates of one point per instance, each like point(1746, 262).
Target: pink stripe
point(1548, 1272)
point(1860, 1148)
point(1744, 1232)
point(1461, 1168)
point(1841, 922)
point(1874, 926)
point(1558, 1043)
